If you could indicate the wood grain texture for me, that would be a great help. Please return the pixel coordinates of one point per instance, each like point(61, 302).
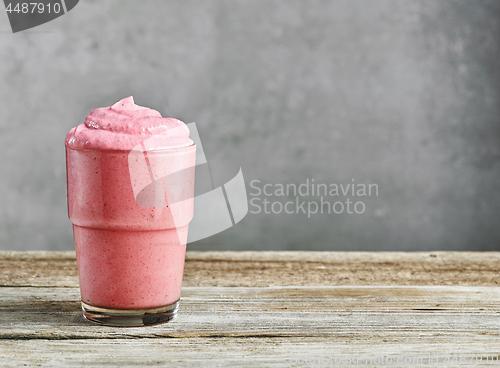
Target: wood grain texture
point(230, 352)
point(258, 269)
point(267, 309)
point(350, 312)
point(258, 326)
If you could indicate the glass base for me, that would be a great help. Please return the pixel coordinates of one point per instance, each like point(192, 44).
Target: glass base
point(130, 317)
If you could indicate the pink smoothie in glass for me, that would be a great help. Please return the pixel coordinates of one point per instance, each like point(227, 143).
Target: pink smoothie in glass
point(130, 198)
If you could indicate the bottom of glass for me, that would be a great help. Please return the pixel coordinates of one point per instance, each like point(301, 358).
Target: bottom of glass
point(130, 317)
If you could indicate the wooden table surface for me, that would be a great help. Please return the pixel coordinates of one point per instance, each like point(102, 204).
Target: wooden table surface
point(268, 309)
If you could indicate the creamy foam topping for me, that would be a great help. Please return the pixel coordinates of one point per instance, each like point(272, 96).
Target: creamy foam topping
point(124, 126)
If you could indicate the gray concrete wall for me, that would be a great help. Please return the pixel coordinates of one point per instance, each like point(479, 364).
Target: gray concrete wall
point(403, 94)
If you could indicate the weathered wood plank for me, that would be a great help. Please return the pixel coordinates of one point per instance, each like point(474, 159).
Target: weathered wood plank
point(38, 268)
point(291, 311)
point(258, 269)
point(250, 352)
point(264, 327)
point(341, 314)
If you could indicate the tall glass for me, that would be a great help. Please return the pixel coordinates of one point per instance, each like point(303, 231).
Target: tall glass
point(130, 212)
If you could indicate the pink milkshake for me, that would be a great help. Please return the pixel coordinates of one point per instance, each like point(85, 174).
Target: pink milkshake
point(130, 198)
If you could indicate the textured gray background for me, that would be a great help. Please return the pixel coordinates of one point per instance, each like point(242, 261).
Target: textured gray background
point(404, 94)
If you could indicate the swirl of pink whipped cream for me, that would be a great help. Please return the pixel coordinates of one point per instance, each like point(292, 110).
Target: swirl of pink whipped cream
point(124, 126)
